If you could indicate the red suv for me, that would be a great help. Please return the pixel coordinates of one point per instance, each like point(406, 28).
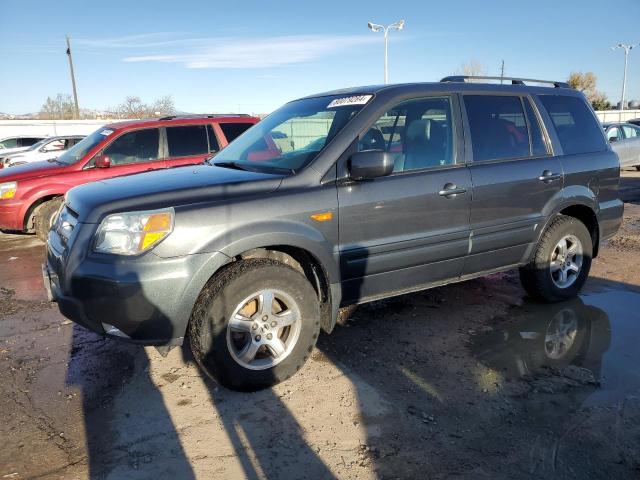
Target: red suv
point(31, 194)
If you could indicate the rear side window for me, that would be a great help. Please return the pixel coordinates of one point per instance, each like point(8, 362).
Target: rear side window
point(631, 131)
point(27, 142)
point(134, 147)
point(188, 140)
point(538, 147)
point(576, 127)
point(234, 130)
point(498, 127)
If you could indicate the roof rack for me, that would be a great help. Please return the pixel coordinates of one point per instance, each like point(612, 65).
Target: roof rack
point(204, 115)
point(513, 80)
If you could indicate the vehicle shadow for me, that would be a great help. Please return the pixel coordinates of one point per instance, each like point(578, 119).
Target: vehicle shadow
point(128, 430)
point(267, 439)
point(504, 398)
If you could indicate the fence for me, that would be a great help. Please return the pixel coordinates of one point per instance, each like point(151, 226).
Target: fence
point(47, 128)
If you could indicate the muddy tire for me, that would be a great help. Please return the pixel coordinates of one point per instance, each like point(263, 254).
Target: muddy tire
point(561, 261)
point(45, 216)
point(255, 324)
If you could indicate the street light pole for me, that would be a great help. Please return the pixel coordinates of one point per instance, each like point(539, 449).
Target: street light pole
point(73, 82)
point(381, 28)
point(627, 49)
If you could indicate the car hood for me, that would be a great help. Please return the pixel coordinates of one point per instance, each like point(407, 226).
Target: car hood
point(9, 151)
point(30, 170)
point(166, 188)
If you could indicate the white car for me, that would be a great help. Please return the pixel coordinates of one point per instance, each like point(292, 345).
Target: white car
point(10, 145)
point(47, 149)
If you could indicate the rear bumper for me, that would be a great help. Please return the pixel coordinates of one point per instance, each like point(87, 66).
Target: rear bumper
point(146, 300)
point(10, 218)
point(610, 218)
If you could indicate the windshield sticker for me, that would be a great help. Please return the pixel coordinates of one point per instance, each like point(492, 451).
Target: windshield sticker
point(354, 100)
point(106, 132)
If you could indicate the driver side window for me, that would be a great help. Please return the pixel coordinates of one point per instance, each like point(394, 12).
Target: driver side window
point(418, 133)
point(53, 146)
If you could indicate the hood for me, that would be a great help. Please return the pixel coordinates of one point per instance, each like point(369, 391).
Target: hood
point(30, 170)
point(8, 151)
point(166, 188)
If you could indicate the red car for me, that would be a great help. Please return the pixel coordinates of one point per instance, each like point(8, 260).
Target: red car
point(31, 194)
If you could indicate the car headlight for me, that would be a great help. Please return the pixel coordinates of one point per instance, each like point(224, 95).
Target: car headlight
point(132, 233)
point(8, 190)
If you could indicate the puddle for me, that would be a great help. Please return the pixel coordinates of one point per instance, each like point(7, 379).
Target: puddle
point(587, 348)
point(21, 257)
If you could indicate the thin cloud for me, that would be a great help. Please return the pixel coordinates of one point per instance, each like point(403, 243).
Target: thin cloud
point(143, 40)
point(232, 53)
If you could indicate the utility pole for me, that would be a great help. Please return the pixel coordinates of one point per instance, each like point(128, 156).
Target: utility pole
point(73, 81)
point(502, 72)
point(627, 49)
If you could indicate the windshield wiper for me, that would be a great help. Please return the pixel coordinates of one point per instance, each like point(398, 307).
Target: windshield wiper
point(234, 165)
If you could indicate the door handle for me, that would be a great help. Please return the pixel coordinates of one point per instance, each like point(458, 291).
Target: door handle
point(450, 190)
point(547, 176)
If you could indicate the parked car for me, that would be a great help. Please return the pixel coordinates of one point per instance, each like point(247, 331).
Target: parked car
point(31, 194)
point(48, 148)
point(10, 145)
point(254, 252)
point(625, 141)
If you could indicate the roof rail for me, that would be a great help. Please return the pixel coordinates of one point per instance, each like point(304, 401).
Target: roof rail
point(513, 80)
point(204, 115)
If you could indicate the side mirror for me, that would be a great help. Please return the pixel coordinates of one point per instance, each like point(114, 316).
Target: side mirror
point(613, 139)
point(102, 161)
point(370, 164)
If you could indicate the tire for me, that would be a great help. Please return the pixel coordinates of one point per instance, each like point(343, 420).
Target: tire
point(537, 277)
point(45, 215)
point(220, 350)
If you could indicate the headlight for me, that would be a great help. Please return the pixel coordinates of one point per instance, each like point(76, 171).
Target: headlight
point(8, 190)
point(132, 233)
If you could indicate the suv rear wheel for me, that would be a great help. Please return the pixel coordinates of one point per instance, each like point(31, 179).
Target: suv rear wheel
point(255, 324)
point(45, 216)
point(561, 262)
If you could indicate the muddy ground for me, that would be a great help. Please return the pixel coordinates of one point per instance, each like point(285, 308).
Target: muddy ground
point(470, 380)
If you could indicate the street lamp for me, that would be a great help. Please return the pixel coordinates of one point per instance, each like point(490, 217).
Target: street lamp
point(627, 49)
point(381, 28)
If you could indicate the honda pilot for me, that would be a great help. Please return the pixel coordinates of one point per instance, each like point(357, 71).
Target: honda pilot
point(333, 200)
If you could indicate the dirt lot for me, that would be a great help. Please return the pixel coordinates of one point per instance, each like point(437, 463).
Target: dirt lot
point(465, 381)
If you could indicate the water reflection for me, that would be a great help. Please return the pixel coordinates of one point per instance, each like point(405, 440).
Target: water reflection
point(585, 342)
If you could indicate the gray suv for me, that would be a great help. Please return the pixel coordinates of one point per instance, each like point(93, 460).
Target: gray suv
point(337, 199)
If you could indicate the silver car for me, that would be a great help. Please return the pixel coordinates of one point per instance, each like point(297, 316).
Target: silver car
point(625, 141)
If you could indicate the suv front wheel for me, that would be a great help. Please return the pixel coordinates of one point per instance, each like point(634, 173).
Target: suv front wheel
point(255, 324)
point(561, 261)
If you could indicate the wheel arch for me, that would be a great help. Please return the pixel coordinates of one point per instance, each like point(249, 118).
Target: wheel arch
point(31, 211)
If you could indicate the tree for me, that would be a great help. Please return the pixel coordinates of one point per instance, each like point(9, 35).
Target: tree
point(61, 107)
point(134, 107)
point(587, 83)
point(472, 68)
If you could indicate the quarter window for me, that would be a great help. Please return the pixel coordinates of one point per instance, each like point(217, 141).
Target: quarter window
point(630, 131)
point(187, 141)
point(498, 127)
point(234, 130)
point(578, 129)
point(133, 147)
point(419, 134)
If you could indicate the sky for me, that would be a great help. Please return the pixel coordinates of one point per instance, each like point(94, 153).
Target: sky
point(252, 56)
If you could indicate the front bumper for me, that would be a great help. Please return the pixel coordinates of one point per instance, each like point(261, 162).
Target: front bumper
point(146, 300)
point(10, 218)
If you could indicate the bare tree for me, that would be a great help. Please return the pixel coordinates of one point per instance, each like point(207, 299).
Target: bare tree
point(61, 107)
point(587, 84)
point(134, 107)
point(472, 68)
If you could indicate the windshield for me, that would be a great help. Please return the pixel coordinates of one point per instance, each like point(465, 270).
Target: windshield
point(37, 145)
point(291, 137)
point(80, 149)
